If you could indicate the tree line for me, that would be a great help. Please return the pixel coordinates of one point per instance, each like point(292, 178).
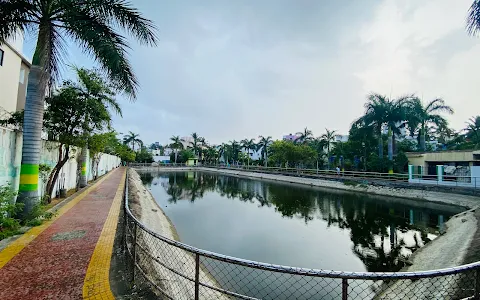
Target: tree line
point(388, 126)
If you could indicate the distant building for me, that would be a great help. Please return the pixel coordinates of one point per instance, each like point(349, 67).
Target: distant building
point(254, 154)
point(14, 70)
point(341, 138)
point(290, 137)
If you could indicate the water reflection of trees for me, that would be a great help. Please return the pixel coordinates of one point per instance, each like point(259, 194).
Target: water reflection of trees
point(383, 233)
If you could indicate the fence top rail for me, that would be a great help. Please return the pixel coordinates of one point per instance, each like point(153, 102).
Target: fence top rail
point(297, 270)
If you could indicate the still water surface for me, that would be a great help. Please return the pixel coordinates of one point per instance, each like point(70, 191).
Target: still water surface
point(295, 225)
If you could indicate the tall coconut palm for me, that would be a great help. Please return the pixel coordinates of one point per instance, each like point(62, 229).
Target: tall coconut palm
point(235, 148)
point(222, 152)
point(382, 112)
point(248, 144)
point(195, 143)
point(263, 146)
point(421, 117)
point(176, 145)
point(473, 18)
point(305, 136)
point(328, 139)
point(473, 130)
point(132, 139)
point(91, 24)
point(93, 89)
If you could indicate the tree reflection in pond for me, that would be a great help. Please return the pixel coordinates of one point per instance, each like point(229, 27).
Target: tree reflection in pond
point(384, 231)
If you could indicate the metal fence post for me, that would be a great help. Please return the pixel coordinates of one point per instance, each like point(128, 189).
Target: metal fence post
point(477, 284)
point(134, 252)
point(197, 276)
point(344, 289)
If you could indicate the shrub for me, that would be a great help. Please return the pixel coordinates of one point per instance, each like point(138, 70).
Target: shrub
point(9, 225)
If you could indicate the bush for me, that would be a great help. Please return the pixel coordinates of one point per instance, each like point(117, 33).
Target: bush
point(9, 225)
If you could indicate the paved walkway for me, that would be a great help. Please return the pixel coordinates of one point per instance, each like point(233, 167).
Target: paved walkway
point(69, 256)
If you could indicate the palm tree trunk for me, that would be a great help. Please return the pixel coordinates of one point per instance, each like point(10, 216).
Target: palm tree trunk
point(390, 146)
point(380, 146)
point(32, 140)
point(422, 140)
point(84, 174)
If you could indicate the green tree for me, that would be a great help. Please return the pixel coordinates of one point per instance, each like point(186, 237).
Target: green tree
point(329, 139)
point(176, 145)
point(132, 138)
point(421, 117)
point(305, 136)
point(234, 149)
point(91, 24)
point(143, 156)
point(197, 140)
point(382, 112)
point(248, 144)
point(473, 18)
point(473, 131)
point(262, 145)
point(66, 116)
point(95, 90)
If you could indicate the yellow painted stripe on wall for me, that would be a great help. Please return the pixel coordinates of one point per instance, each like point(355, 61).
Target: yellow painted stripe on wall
point(97, 283)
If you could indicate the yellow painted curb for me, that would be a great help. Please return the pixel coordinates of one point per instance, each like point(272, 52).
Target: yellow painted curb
point(97, 284)
point(16, 246)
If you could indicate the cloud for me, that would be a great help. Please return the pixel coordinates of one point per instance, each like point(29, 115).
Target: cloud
point(238, 69)
point(421, 47)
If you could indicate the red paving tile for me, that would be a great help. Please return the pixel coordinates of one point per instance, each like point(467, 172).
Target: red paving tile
point(53, 265)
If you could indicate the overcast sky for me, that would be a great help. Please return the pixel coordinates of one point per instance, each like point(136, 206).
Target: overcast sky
point(238, 69)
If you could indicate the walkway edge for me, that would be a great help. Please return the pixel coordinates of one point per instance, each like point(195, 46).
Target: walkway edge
point(97, 284)
point(19, 244)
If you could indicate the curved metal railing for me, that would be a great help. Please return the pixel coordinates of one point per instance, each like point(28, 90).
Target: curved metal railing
point(180, 271)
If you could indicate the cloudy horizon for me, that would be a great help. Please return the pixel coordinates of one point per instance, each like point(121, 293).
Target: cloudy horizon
point(240, 69)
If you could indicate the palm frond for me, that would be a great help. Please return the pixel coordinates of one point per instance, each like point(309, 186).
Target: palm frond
point(473, 18)
point(121, 13)
point(15, 15)
point(109, 48)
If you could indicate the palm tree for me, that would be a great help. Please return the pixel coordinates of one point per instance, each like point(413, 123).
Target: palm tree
point(328, 138)
point(248, 144)
point(473, 130)
point(222, 152)
point(263, 145)
point(235, 147)
point(94, 90)
point(196, 140)
point(176, 145)
point(381, 112)
point(91, 24)
point(132, 138)
point(304, 136)
point(473, 18)
point(421, 117)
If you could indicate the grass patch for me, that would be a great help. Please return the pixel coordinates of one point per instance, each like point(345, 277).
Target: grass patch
point(350, 183)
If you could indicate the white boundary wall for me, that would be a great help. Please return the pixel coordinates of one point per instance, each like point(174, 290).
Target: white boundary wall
point(11, 156)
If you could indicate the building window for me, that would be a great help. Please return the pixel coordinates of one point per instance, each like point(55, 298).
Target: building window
point(1, 57)
point(22, 76)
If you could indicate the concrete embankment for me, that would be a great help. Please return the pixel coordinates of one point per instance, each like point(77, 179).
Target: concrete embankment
point(466, 201)
point(146, 209)
point(451, 249)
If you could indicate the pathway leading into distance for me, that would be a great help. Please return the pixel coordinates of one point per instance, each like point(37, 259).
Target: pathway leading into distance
point(69, 256)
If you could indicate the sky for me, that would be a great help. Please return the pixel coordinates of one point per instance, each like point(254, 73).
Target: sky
point(242, 68)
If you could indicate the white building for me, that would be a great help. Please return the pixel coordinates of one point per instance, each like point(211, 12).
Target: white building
point(341, 138)
point(14, 69)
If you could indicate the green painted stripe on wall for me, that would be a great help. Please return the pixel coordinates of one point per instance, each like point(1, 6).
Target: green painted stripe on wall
point(29, 169)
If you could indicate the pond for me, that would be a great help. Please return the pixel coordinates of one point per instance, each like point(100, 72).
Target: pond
point(295, 225)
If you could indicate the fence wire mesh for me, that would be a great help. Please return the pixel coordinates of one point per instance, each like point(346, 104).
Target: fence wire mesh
point(177, 271)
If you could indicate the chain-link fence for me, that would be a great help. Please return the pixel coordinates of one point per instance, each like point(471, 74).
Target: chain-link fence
point(178, 271)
